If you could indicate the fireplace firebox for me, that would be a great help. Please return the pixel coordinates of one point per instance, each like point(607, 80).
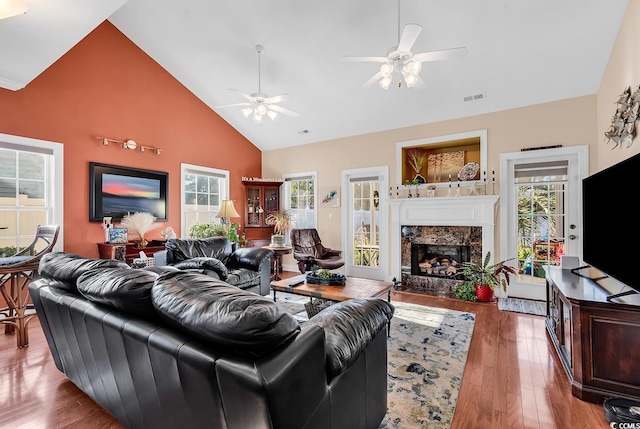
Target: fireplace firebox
point(439, 260)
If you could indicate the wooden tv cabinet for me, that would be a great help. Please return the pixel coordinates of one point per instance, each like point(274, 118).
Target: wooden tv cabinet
point(597, 341)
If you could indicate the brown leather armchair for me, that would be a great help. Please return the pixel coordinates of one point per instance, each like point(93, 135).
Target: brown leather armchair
point(309, 251)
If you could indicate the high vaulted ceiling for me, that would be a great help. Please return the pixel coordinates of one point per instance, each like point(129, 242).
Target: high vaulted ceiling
point(519, 53)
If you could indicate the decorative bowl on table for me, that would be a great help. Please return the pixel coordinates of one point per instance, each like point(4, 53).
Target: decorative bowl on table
point(326, 277)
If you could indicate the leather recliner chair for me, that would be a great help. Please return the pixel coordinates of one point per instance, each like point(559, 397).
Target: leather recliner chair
point(309, 251)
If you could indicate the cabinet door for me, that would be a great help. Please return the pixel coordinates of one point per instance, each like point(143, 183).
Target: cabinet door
point(254, 210)
point(271, 202)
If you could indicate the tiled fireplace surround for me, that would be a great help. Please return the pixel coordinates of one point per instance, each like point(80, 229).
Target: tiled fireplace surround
point(467, 221)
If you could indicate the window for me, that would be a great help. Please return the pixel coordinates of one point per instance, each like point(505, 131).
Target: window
point(30, 194)
point(540, 189)
point(300, 199)
point(203, 190)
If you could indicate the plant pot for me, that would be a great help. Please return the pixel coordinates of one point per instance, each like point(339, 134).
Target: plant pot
point(277, 241)
point(484, 293)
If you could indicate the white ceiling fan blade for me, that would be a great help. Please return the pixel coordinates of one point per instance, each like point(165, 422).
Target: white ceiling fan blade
point(444, 54)
point(247, 96)
point(374, 79)
point(370, 59)
point(409, 35)
point(233, 105)
point(276, 98)
point(282, 110)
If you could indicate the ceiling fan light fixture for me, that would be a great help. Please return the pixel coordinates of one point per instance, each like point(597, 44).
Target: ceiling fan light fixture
point(410, 79)
point(261, 109)
point(385, 82)
point(257, 118)
point(386, 69)
point(415, 67)
point(271, 114)
point(247, 111)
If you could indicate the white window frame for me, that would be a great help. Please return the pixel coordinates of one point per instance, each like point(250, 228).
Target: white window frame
point(205, 171)
point(286, 204)
point(55, 180)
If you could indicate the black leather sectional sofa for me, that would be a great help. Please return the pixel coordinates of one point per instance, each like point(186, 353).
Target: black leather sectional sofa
point(163, 348)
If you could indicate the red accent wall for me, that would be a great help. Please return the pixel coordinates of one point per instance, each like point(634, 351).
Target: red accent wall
point(107, 86)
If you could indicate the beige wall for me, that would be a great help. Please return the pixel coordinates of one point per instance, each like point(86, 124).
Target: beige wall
point(623, 70)
point(567, 122)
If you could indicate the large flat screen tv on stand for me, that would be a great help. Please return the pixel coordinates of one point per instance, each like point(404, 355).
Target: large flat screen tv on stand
point(610, 231)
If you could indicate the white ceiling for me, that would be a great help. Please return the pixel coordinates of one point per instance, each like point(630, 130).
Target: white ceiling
point(520, 53)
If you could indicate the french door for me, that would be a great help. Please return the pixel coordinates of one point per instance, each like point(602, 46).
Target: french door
point(540, 213)
point(365, 240)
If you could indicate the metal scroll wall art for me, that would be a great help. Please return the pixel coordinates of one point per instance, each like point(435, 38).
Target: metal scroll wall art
point(623, 125)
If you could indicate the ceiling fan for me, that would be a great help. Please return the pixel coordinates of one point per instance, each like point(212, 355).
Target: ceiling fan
point(260, 104)
point(401, 61)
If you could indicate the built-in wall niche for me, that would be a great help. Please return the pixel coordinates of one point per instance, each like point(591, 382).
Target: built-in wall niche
point(440, 159)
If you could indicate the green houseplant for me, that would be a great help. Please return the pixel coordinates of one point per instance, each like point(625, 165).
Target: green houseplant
point(482, 279)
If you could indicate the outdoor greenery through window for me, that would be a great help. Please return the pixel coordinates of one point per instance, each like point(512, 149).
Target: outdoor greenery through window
point(366, 234)
point(541, 195)
point(24, 199)
point(203, 191)
point(300, 200)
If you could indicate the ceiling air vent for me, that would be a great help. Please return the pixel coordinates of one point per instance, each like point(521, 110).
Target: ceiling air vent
point(476, 97)
point(304, 132)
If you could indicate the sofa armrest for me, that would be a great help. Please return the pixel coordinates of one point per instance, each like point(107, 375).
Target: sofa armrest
point(284, 388)
point(349, 328)
point(249, 257)
point(204, 263)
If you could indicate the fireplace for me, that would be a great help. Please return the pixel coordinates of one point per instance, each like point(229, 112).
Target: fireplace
point(439, 260)
point(458, 229)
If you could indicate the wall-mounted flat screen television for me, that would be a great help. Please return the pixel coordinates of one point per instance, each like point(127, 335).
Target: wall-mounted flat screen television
point(115, 191)
point(607, 199)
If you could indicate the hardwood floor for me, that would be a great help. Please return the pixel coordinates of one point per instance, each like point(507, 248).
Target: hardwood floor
point(512, 379)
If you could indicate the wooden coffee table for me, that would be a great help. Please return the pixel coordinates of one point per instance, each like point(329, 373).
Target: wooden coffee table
point(354, 288)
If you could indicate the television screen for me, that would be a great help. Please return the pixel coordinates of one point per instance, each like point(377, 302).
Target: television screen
point(115, 191)
point(607, 197)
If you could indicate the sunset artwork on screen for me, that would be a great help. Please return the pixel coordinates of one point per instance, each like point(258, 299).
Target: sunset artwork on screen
point(115, 191)
point(130, 194)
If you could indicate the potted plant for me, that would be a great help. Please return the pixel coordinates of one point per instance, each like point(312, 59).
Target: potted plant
point(483, 278)
point(281, 222)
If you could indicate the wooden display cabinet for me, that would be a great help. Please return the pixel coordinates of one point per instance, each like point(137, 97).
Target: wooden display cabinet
point(261, 197)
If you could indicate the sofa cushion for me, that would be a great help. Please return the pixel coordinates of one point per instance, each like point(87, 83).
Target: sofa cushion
point(349, 328)
point(65, 268)
point(128, 290)
point(242, 322)
point(204, 263)
point(213, 247)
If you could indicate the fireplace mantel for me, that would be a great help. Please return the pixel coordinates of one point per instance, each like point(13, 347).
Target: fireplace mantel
point(477, 210)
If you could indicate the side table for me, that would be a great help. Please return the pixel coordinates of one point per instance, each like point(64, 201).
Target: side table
point(278, 251)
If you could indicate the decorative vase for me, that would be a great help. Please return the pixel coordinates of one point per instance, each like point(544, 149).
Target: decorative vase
point(484, 293)
point(419, 178)
point(277, 241)
point(142, 243)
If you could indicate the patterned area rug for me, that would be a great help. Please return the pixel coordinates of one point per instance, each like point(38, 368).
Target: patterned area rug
point(427, 353)
point(527, 306)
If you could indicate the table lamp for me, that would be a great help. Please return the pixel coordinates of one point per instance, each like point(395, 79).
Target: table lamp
point(227, 211)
